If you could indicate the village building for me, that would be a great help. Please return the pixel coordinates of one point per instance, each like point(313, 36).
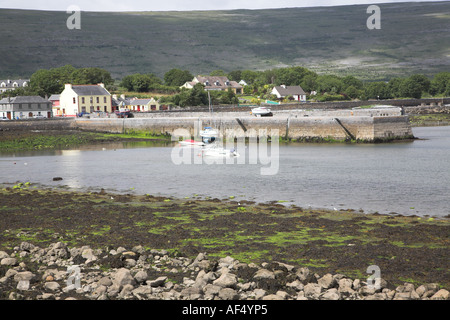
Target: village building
point(25, 107)
point(296, 92)
point(217, 83)
point(56, 107)
point(81, 99)
point(146, 105)
point(8, 85)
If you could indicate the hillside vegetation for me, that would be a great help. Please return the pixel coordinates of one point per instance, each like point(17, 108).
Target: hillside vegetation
point(413, 38)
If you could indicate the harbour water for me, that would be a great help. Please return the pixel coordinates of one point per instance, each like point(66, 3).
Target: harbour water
point(410, 178)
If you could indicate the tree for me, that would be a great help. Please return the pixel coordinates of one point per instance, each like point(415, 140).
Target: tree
point(439, 84)
point(309, 82)
point(329, 84)
point(352, 81)
point(292, 76)
point(91, 76)
point(45, 83)
point(219, 73)
point(235, 75)
point(177, 77)
point(422, 80)
point(394, 87)
point(249, 76)
point(377, 90)
point(410, 88)
point(140, 82)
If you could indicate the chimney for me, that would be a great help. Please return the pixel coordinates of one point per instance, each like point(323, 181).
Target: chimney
point(101, 85)
point(68, 86)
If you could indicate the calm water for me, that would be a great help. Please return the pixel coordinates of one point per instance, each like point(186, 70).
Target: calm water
point(407, 178)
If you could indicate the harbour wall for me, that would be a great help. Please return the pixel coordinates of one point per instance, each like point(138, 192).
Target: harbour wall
point(363, 128)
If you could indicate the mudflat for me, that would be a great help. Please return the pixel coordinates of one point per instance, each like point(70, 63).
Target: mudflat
point(405, 248)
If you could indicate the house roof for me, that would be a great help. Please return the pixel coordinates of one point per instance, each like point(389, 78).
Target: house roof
point(289, 90)
point(24, 99)
point(140, 102)
point(90, 90)
point(216, 82)
point(54, 97)
point(9, 83)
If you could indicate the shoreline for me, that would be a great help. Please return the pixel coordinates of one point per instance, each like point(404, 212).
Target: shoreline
point(406, 248)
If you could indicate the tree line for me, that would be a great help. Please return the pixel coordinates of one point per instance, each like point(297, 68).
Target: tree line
point(319, 87)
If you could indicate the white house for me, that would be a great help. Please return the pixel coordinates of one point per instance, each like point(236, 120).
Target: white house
point(217, 83)
point(6, 85)
point(77, 99)
point(284, 91)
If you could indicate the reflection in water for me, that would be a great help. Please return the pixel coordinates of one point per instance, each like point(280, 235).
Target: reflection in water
point(407, 178)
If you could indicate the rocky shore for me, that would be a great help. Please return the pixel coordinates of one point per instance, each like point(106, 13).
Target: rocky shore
point(59, 272)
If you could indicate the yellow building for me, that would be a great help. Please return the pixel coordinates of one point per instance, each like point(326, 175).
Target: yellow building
point(76, 99)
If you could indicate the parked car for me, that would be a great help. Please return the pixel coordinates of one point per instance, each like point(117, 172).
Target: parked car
point(4, 118)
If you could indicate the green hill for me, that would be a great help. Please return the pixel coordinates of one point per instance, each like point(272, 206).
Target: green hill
point(414, 38)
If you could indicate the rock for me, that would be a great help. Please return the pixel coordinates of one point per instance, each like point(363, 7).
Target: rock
point(376, 296)
point(264, 274)
point(24, 276)
point(157, 282)
point(122, 278)
point(228, 294)
point(191, 293)
point(312, 291)
point(272, 297)
point(441, 295)
point(296, 285)
point(52, 285)
point(226, 280)
point(89, 255)
point(226, 262)
point(3, 255)
point(141, 276)
point(345, 287)
point(105, 281)
point(331, 294)
point(8, 262)
point(327, 281)
point(211, 290)
point(142, 292)
point(57, 179)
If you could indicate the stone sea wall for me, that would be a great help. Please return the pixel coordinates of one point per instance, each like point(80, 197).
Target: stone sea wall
point(296, 128)
point(58, 272)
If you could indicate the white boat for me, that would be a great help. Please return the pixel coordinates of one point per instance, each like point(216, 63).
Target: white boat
point(209, 134)
point(261, 111)
point(216, 151)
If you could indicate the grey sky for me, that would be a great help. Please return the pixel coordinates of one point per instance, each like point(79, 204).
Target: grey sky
point(181, 5)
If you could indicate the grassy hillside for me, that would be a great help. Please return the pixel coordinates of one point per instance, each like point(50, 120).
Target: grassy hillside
point(413, 38)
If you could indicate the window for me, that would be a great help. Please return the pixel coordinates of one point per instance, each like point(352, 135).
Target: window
point(104, 99)
point(74, 100)
point(82, 100)
point(91, 99)
point(98, 99)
